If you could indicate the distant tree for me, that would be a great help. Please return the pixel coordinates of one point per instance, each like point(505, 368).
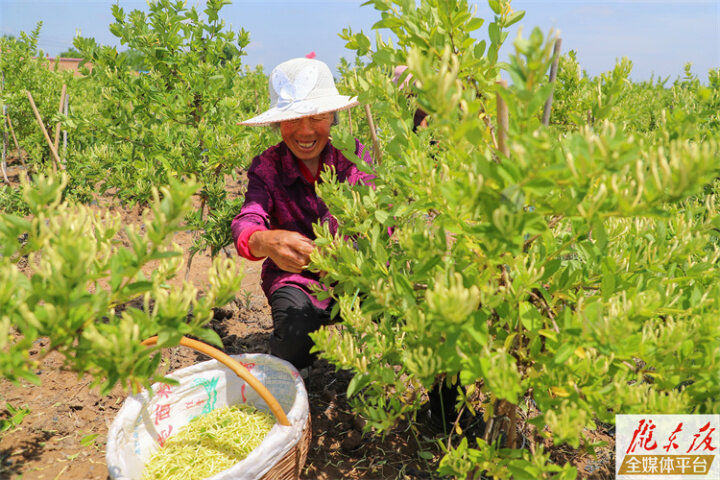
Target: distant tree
point(70, 53)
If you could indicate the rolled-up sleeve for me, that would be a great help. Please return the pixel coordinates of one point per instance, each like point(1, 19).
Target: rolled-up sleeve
point(255, 212)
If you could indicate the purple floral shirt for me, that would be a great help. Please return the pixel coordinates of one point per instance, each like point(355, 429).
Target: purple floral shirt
point(280, 197)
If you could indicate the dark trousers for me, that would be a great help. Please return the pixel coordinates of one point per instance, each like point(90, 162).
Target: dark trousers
point(294, 317)
point(442, 400)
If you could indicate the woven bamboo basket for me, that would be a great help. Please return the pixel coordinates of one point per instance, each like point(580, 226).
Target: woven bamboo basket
point(291, 464)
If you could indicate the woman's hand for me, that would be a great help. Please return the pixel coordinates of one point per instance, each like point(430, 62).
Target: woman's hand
point(289, 250)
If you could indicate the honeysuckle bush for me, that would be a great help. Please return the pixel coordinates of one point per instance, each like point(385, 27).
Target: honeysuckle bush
point(684, 109)
point(176, 115)
point(24, 68)
point(177, 118)
point(131, 131)
point(11, 201)
point(95, 288)
point(573, 280)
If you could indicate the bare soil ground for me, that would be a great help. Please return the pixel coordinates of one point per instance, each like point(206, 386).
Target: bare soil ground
point(64, 435)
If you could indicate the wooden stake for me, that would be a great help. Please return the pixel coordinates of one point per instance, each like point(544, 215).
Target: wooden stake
point(60, 110)
point(56, 159)
point(7, 115)
point(553, 75)
point(67, 102)
point(512, 430)
point(376, 144)
point(4, 148)
point(17, 145)
point(5, 137)
point(503, 121)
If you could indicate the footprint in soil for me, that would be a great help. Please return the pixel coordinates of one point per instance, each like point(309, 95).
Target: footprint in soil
point(347, 425)
point(352, 441)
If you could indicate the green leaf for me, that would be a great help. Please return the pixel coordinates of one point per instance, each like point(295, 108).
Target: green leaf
point(550, 268)
point(164, 255)
point(381, 216)
point(474, 24)
point(608, 281)
point(539, 185)
point(431, 263)
point(548, 334)
point(563, 353)
point(137, 288)
point(210, 336)
point(494, 33)
point(16, 416)
point(88, 440)
point(363, 43)
point(358, 382)
point(424, 454)
point(17, 222)
point(513, 18)
point(480, 49)
point(599, 234)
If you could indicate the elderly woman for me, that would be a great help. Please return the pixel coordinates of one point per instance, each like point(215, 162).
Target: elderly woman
point(281, 205)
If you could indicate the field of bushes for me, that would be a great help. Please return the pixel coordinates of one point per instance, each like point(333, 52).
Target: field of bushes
point(553, 271)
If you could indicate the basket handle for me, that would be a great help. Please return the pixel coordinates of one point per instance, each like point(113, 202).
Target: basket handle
point(237, 368)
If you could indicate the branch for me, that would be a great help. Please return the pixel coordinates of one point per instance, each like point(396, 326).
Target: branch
point(17, 145)
point(373, 133)
point(553, 74)
point(60, 110)
point(503, 121)
point(556, 219)
point(56, 158)
point(562, 247)
point(548, 311)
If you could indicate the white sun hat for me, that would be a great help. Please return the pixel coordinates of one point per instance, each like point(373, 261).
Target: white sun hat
point(299, 88)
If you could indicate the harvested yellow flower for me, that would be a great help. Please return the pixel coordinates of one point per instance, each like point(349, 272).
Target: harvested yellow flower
point(210, 444)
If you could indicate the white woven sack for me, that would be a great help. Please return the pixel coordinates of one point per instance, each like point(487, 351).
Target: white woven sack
point(144, 422)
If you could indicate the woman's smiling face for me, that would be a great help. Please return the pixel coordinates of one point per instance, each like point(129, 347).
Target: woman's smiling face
point(306, 137)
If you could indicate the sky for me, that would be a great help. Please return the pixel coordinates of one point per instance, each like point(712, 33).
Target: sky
point(659, 37)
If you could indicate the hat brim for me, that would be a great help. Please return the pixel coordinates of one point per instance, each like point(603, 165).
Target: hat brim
point(322, 105)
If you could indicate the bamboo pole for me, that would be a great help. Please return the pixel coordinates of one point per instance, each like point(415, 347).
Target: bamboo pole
point(553, 75)
point(5, 146)
point(56, 159)
point(376, 144)
point(17, 145)
point(5, 137)
point(60, 110)
point(7, 115)
point(67, 104)
point(503, 121)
